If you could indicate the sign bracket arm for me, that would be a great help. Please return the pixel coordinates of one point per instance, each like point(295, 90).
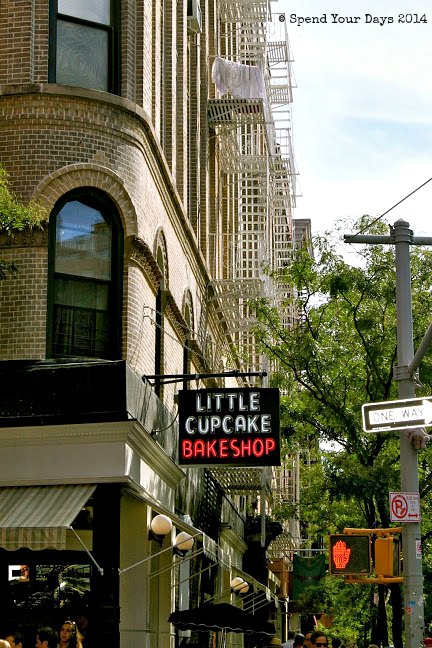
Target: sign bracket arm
point(421, 351)
point(173, 378)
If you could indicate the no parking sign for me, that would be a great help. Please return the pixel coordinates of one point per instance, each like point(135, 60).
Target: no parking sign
point(405, 507)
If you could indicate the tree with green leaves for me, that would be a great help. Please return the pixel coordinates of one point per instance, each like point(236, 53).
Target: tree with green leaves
point(338, 356)
point(16, 216)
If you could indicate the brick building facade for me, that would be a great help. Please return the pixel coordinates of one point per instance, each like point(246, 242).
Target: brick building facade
point(105, 122)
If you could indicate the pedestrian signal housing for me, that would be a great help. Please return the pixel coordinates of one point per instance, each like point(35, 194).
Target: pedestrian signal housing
point(350, 555)
point(387, 557)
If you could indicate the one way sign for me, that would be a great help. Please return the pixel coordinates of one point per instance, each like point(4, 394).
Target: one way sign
point(397, 415)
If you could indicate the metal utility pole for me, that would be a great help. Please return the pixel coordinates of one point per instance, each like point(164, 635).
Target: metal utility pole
point(402, 237)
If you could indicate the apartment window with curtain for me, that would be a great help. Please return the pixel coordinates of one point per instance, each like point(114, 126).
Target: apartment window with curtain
point(85, 261)
point(84, 49)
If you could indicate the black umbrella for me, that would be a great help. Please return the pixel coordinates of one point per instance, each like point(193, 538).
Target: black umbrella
point(221, 617)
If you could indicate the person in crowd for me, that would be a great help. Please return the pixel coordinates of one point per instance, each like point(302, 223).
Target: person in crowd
point(319, 640)
point(290, 642)
point(24, 574)
point(70, 636)
point(82, 622)
point(15, 638)
point(299, 640)
point(307, 639)
point(4, 643)
point(46, 638)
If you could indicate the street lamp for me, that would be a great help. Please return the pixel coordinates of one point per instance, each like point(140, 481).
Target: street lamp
point(160, 527)
point(239, 585)
point(182, 543)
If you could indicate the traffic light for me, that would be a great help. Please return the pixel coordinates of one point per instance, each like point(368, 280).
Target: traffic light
point(350, 555)
point(387, 557)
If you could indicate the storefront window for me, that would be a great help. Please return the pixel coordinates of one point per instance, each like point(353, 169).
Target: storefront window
point(55, 586)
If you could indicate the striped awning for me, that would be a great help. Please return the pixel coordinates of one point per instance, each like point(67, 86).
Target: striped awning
point(38, 516)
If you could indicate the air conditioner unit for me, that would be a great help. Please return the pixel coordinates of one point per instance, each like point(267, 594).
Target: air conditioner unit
point(194, 15)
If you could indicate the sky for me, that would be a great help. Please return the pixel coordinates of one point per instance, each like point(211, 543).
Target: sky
point(362, 109)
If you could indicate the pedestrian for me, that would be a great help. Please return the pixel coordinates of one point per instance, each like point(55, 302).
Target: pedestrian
point(299, 640)
point(290, 641)
point(15, 638)
point(70, 636)
point(46, 638)
point(4, 643)
point(307, 640)
point(319, 640)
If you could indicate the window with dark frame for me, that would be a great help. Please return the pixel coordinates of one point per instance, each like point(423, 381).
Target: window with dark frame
point(85, 269)
point(84, 48)
point(48, 585)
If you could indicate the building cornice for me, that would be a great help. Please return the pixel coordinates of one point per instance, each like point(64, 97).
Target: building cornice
point(233, 540)
point(129, 433)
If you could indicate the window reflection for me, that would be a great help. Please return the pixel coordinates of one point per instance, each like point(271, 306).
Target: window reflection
point(85, 277)
point(83, 245)
point(82, 56)
point(98, 12)
point(49, 585)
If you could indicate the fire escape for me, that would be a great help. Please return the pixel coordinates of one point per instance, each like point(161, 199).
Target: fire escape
point(252, 236)
point(249, 117)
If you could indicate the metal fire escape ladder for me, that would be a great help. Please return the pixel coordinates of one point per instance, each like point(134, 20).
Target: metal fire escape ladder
point(283, 181)
point(255, 185)
point(286, 493)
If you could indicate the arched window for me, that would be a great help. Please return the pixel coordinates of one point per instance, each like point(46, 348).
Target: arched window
point(85, 262)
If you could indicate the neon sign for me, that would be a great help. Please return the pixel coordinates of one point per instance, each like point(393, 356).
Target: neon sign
point(229, 426)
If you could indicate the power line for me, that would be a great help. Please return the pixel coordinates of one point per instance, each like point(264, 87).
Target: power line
point(389, 210)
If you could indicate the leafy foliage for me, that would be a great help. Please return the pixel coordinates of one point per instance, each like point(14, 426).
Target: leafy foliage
point(16, 216)
point(348, 608)
point(339, 356)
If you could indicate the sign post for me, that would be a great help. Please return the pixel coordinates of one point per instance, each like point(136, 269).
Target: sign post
point(402, 237)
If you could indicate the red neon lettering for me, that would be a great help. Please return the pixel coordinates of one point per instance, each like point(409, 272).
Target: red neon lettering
point(199, 448)
point(223, 448)
point(270, 445)
point(226, 448)
point(211, 450)
point(246, 448)
point(234, 448)
point(187, 450)
point(258, 447)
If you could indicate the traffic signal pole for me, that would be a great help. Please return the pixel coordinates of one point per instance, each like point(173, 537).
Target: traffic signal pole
point(402, 237)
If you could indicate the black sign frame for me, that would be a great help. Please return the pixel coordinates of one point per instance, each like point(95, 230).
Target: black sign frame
point(229, 427)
